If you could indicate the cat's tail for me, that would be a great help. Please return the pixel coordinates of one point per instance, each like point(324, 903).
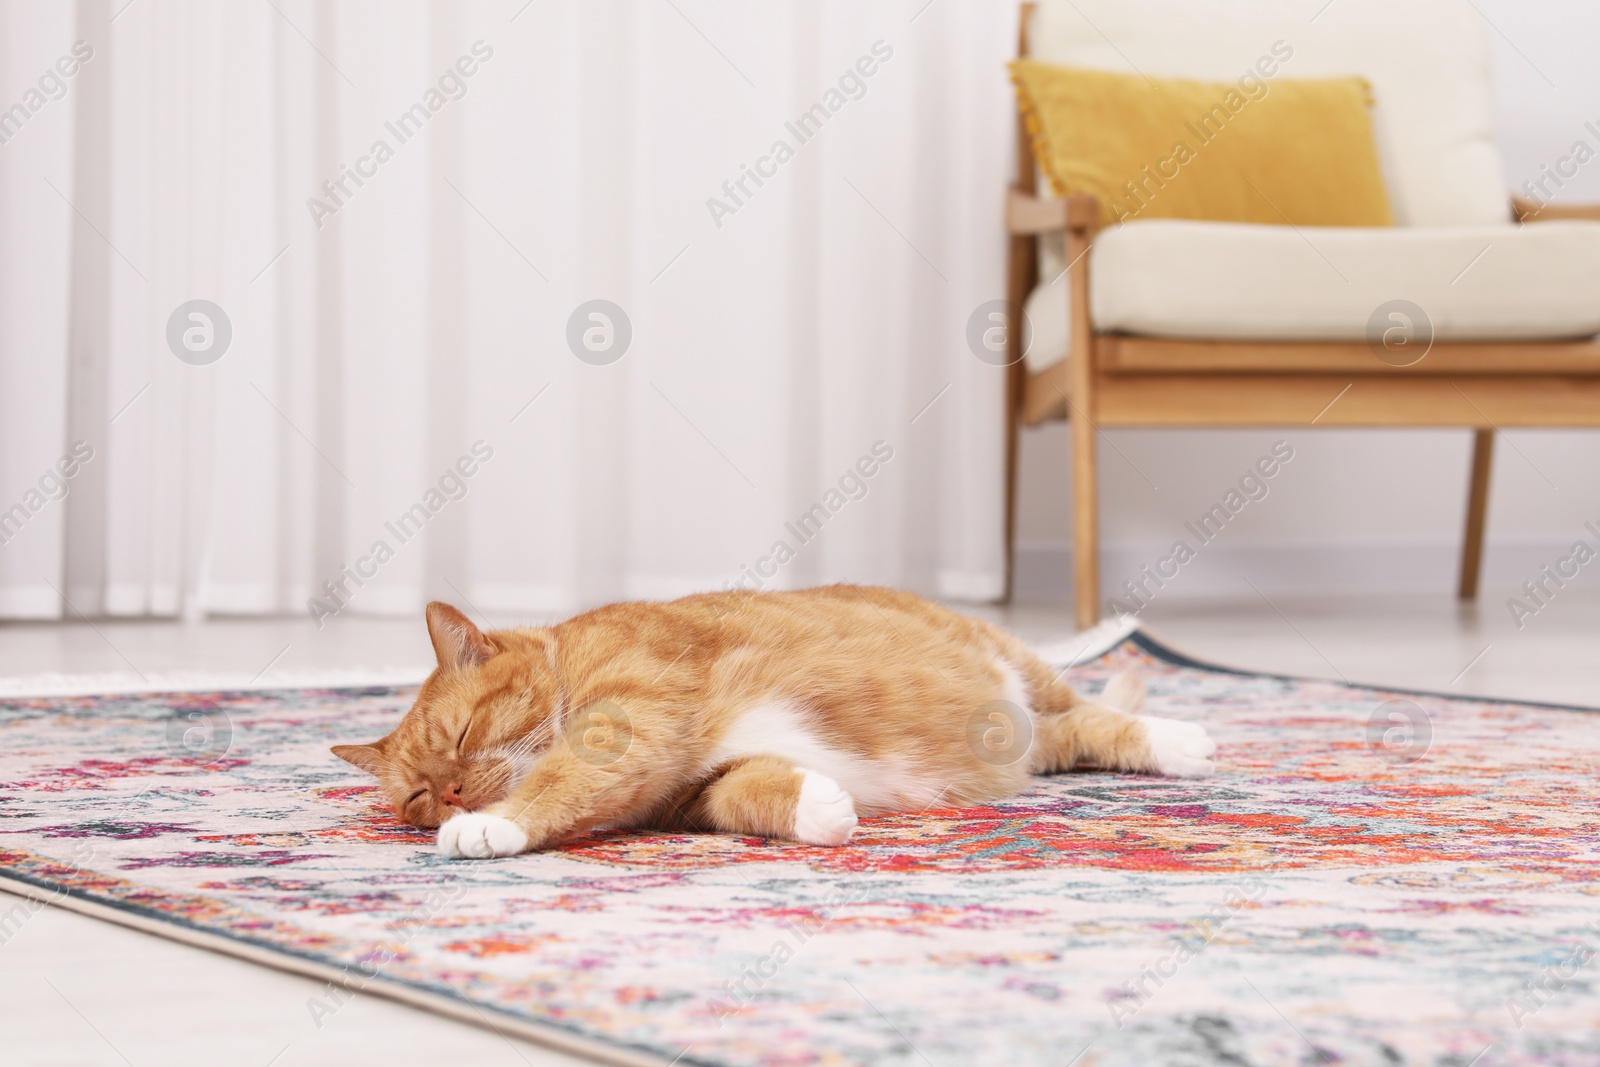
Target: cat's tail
point(1125, 692)
point(1051, 695)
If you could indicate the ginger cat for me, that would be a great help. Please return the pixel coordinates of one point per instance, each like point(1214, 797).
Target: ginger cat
point(772, 714)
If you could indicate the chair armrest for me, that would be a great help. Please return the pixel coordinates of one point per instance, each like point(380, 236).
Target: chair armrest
point(1029, 214)
point(1524, 210)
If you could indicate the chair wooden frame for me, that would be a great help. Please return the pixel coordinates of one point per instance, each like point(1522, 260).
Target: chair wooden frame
point(1120, 380)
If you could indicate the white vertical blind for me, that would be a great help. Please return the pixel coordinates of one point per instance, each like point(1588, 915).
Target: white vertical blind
point(399, 206)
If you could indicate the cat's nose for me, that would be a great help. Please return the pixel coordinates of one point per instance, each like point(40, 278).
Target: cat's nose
point(451, 795)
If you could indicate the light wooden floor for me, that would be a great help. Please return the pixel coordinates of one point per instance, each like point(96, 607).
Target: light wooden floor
point(74, 991)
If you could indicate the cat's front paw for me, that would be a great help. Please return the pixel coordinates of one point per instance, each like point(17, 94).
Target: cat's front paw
point(1178, 749)
point(475, 835)
point(824, 814)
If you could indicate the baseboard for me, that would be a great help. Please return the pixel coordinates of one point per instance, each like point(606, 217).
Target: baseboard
point(1044, 568)
point(55, 684)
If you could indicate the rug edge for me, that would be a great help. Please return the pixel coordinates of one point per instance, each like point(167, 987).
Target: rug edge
point(1158, 648)
point(1088, 644)
point(459, 1009)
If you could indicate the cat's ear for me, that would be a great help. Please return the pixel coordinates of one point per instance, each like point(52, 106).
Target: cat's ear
point(456, 641)
point(368, 757)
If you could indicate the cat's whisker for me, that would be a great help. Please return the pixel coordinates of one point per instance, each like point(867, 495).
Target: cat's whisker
point(384, 764)
point(512, 750)
point(525, 746)
point(501, 753)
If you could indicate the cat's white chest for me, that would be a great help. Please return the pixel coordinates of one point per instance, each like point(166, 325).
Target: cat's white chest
point(779, 728)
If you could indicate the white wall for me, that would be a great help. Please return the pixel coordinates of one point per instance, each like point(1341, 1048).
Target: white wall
point(1357, 510)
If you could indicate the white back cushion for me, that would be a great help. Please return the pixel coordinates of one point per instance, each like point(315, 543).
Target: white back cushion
point(1427, 60)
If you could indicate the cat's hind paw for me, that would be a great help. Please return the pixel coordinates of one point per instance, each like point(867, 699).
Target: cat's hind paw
point(1178, 749)
point(824, 814)
point(475, 835)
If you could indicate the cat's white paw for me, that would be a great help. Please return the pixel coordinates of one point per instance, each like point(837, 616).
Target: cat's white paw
point(475, 835)
point(1179, 749)
point(824, 814)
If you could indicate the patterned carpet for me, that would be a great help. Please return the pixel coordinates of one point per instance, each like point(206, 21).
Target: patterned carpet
point(1372, 877)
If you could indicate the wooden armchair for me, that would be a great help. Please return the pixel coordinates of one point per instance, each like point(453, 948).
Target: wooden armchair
point(1115, 378)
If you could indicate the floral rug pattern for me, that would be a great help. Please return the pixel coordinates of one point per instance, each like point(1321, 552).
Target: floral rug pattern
point(1371, 877)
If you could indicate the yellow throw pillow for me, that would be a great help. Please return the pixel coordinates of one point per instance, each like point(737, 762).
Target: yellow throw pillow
point(1282, 150)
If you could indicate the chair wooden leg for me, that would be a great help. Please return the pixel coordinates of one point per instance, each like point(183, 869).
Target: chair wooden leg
point(1477, 510)
point(1013, 432)
point(1081, 416)
point(1085, 523)
point(1021, 272)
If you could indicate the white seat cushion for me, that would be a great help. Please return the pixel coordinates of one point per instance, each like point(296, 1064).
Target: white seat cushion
point(1234, 281)
point(1427, 61)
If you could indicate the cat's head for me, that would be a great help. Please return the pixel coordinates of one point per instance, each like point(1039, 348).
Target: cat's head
point(479, 723)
